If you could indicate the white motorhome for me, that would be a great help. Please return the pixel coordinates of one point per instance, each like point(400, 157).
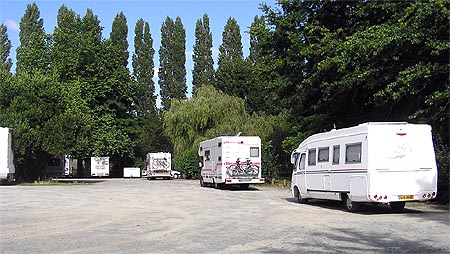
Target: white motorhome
point(7, 169)
point(159, 165)
point(370, 163)
point(100, 166)
point(230, 160)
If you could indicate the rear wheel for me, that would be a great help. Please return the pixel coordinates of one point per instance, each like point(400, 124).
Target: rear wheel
point(350, 205)
point(397, 206)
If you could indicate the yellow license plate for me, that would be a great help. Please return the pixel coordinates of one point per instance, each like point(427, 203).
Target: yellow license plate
point(403, 197)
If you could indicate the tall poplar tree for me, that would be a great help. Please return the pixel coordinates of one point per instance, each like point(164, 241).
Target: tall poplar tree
point(172, 59)
point(33, 52)
point(66, 45)
point(5, 47)
point(232, 73)
point(143, 69)
point(203, 72)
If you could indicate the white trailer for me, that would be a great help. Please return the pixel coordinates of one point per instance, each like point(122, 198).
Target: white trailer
point(131, 172)
point(231, 160)
point(159, 165)
point(370, 163)
point(7, 169)
point(100, 166)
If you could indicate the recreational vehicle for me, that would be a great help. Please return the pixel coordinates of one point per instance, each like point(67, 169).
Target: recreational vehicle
point(100, 166)
point(230, 160)
point(389, 163)
point(159, 165)
point(7, 169)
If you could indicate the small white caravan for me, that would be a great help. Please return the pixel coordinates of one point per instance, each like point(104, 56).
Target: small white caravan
point(99, 166)
point(129, 172)
point(372, 162)
point(159, 165)
point(7, 169)
point(231, 160)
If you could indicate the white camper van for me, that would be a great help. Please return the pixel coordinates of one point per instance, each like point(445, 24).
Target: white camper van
point(159, 165)
point(7, 169)
point(100, 166)
point(230, 160)
point(373, 162)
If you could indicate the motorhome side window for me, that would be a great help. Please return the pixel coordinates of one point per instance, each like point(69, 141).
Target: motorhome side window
point(296, 156)
point(353, 153)
point(336, 154)
point(324, 154)
point(302, 161)
point(312, 157)
point(207, 154)
point(254, 151)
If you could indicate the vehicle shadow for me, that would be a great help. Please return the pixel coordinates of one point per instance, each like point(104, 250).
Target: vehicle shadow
point(366, 209)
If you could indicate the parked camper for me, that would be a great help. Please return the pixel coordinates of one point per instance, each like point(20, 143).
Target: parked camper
point(7, 169)
point(231, 160)
point(131, 172)
point(100, 166)
point(159, 165)
point(371, 163)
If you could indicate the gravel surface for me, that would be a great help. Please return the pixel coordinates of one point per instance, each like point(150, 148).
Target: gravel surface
point(141, 216)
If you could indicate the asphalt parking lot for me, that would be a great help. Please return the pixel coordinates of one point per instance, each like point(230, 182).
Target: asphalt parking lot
point(179, 216)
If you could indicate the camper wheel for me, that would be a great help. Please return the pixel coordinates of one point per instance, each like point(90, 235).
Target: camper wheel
point(397, 206)
point(349, 204)
point(201, 182)
point(217, 185)
point(299, 196)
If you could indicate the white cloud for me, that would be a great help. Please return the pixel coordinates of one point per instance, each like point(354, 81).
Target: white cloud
point(155, 72)
point(11, 25)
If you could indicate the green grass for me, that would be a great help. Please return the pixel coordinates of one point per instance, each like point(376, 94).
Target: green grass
point(50, 182)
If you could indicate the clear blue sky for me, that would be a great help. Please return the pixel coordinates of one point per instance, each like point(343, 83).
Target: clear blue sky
point(152, 11)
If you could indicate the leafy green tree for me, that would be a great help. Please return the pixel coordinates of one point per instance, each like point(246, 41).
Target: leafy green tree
point(28, 104)
point(33, 52)
point(262, 89)
point(232, 72)
point(203, 72)
point(5, 47)
point(172, 59)
point(66, 45)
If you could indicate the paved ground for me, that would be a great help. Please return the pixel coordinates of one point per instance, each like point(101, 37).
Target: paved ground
point(140, 216)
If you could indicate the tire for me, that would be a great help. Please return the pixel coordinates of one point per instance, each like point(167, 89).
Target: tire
point(217, 185)
point(201, 182)
point(299, 196)
point(350, 206)
point(397, 206)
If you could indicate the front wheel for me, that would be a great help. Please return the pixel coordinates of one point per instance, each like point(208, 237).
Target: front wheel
point(300, 199)
point(350, 205)
point(201, 182)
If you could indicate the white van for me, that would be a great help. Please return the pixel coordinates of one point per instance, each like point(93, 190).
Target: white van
point(373, 162)
point(231, 160)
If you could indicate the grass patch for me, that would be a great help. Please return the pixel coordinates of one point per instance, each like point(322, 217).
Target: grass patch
point(282, 184)
point(50, 182)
